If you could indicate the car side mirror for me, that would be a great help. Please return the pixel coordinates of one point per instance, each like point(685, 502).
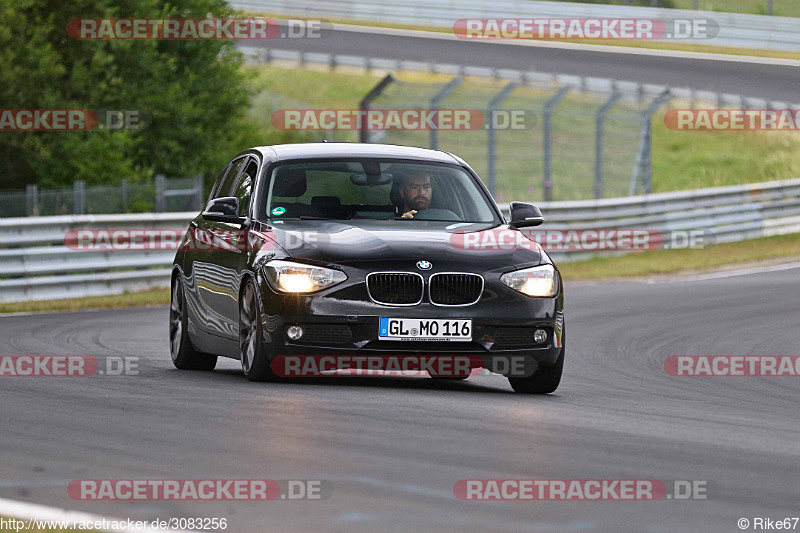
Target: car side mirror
point(225, 209)
point(525, 215)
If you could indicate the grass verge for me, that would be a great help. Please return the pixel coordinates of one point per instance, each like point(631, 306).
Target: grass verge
point(662, 262)
point(133, 299)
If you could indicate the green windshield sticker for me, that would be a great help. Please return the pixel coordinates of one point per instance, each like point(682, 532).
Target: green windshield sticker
point(279, 211)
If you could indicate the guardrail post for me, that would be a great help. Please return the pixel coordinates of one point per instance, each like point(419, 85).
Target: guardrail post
point(79, 197)
point(492, 141)
point(198, 187)
point(32, 197)
point(549, 108)
point(363, 106)
point(644, 159)
point(598, 135)
point(436, 100)
point(160, 193)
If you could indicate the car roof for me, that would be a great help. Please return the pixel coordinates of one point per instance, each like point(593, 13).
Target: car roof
point(282, 152)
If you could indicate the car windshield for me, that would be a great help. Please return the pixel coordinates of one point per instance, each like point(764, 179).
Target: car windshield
point(376, 189)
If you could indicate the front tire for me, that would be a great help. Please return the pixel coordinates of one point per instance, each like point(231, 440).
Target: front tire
point(184, 356)
point(547, 377)
point(544, 381)
point(255, 363)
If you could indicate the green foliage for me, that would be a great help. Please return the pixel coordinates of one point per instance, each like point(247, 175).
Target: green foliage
point(195, 92)
point(646, 3)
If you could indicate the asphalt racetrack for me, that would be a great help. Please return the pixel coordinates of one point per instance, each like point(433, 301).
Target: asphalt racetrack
point(758, 78)
point(393, 448)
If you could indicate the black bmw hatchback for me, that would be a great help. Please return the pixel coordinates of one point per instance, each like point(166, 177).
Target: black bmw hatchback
point(347, 250)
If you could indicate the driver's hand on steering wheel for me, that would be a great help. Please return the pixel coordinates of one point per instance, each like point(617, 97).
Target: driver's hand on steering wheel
point(409, 214)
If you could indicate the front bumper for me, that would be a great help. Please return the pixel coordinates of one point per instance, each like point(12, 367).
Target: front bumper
point(341, 324)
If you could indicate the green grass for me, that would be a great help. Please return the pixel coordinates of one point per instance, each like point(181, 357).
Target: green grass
point(134, 299)
point(781, 248)
point(783, 8)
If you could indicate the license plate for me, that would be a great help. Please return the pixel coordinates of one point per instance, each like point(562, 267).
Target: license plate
point(433, 329)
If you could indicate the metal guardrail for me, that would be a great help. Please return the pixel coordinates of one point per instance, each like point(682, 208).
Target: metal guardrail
point(35, 263)
point(735, 29)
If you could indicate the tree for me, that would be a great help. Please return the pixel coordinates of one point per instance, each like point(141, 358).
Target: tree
point(194, 91)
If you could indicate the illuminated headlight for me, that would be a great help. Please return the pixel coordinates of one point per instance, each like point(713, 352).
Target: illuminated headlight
point(538, 282)
point(285, 276)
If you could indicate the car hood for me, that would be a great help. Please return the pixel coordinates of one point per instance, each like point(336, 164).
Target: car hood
point(368, 241)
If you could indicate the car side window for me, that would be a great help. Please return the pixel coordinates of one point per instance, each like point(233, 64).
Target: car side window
point(228, 181)
point(244, 188)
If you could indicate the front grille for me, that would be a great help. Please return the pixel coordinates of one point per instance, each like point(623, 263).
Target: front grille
point(455, 289)
point(326, 334)
point(514, 336)
point(395, 288)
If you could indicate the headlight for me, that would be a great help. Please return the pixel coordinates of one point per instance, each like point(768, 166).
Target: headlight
point(285, 276)
point(539, 282)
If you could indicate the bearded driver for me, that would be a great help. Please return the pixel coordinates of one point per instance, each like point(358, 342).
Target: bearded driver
point(416, 193)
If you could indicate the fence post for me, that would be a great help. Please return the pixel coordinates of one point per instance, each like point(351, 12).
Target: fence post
point(79, 197)
point(549, 108)
point(492, 141)
point(436, 100)
point(32, 197)
point(644, 159)
point(124, 185)
point(598, 149)
point(198, 187)
point(363, 106)
point(160, 193)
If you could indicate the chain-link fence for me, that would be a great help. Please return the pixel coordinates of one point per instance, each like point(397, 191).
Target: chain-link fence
point(161, 195)
point(540, 141)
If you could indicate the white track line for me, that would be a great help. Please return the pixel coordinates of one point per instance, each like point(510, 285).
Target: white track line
point(608, 49)
point(729, 273)
point(34, 511)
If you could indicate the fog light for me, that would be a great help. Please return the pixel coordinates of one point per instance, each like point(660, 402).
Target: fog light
point(540, 336)
point(294, 332)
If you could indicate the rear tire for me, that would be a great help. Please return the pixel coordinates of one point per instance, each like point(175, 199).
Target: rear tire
point(255, 363)
point(184, 356)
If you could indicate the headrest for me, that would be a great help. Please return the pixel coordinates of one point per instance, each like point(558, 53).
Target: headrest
point(290, 182)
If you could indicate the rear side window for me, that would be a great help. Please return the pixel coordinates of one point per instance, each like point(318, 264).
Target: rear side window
point(228, 181)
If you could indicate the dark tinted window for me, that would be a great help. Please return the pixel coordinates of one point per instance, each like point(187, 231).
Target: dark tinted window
point(245, 187)
point(226, 185)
